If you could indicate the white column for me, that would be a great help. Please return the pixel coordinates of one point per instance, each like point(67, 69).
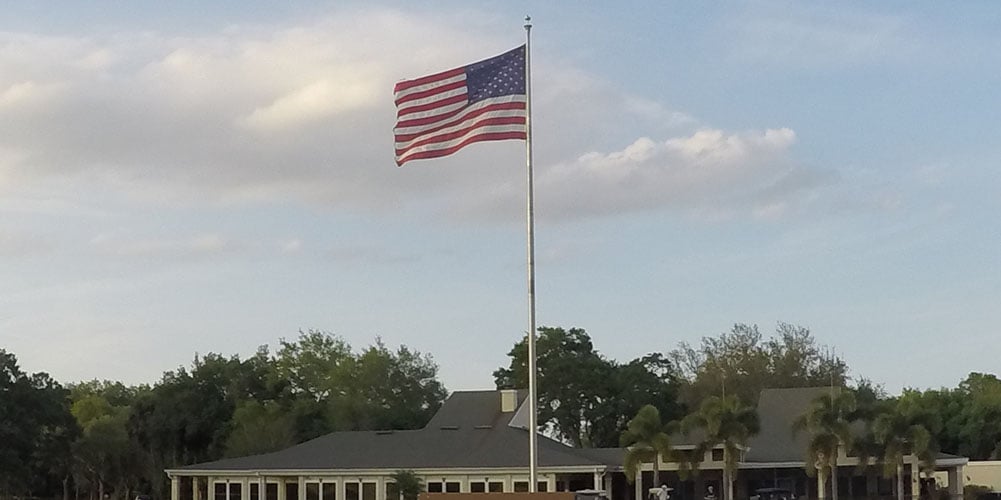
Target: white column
point(175, 488)
point(915, 479)
point(956, 482)
point(281, 488)
point(302, 487)
point(821, 493)
point(638, 482)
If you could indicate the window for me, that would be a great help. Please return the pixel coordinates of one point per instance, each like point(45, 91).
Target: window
point(495, 487)
point(542, 487)
point(255, 491)
point(477, 487)
point(235, 491)
point(717, 455)
point(521, 486)
point(329, 491)
point(220, 491)
point(312, 491)
point(368, 491)
point(292, 491)
point(432, 488)
point(351, 491)
point(392, 492)
point(271, 491)
point(450, 487)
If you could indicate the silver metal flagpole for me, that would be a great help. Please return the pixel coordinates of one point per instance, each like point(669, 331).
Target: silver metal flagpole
point(533, 438)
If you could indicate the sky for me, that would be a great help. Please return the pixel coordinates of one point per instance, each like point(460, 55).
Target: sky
point(191, 177)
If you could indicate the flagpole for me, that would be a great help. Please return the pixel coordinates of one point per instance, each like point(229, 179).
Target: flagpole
point(533, 438)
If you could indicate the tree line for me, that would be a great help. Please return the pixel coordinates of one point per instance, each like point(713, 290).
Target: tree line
point(97, 439)
point(101, 439)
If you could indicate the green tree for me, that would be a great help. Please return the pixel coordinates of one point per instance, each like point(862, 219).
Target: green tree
point(742, 362)
point(722, 422)
point(35, 428)
point(828, 422)
point(259, 428)
point(384, 389)
point(646, 439)
point(408, 484)
point(585, 398)
point(906, 429)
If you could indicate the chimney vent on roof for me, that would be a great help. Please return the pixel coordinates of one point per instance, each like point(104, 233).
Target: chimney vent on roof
point(509, 400)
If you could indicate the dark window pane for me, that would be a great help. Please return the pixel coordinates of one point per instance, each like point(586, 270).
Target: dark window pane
point(520, 486)
point(452, 487)
point(392, 492)
point(495, 487)
point(329, 491)
point(542, 486)
point(433, 488)
point(351, 491)
point(220, 491)
point(478, 487)
point(291, 491)
point(255, 491)
point(368, 491)
point(717, 455)
point(271, 491)
point(186, 489)
point(312, 491)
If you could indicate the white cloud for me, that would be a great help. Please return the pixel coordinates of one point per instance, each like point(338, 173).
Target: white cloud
point(710, 172)
point(197, 246)
point(258, 114)
point(20, 244)
point(292, 246)
point(313, 102)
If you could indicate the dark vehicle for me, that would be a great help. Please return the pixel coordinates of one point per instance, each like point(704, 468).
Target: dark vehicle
point(772, 494)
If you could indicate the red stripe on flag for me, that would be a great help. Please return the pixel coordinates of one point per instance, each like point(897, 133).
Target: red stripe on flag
point(503, 106)
point(500, 120)
point(489, 136)
point(407, 84)
point(430, 92)
point(431, 105)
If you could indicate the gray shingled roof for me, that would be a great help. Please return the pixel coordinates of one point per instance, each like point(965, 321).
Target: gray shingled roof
point(468, 431)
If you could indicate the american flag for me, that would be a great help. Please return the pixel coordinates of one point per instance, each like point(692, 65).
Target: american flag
point(440, 114)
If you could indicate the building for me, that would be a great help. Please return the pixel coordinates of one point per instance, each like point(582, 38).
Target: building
point(478, 442)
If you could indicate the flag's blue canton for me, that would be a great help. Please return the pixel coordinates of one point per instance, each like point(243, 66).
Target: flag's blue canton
point(497, 76)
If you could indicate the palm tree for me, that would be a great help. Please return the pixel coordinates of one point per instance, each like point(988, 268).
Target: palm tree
point(646, 438)
point(828, 420)
point(725, 422)
point(408, 484)
point(906, 430)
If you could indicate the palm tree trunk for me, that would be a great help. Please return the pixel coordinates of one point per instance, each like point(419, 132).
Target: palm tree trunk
point(729, 482)
point(834, 479)
point(900, 481)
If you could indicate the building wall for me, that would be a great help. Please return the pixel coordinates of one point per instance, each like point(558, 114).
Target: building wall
point(979, 473)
